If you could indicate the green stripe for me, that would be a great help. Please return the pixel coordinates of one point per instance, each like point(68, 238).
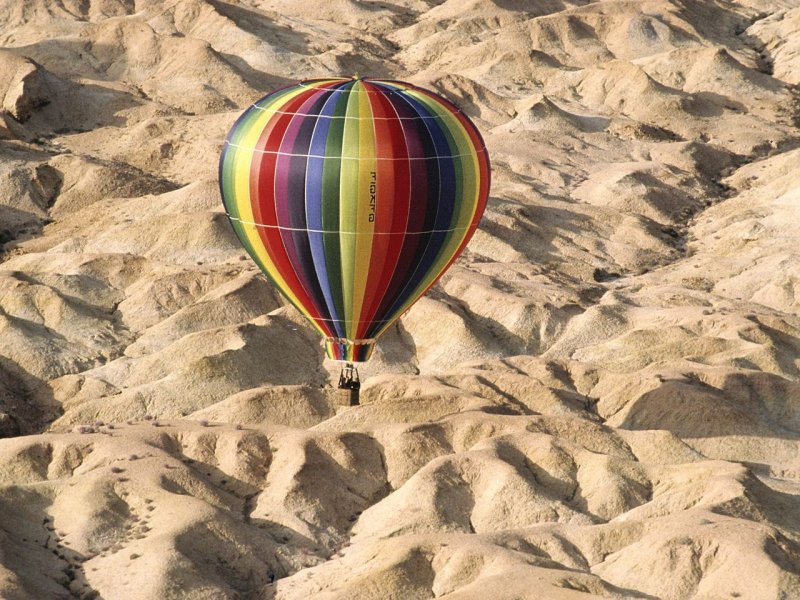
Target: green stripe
point(331, 176)
point(466, 181)
point(275, 96)
point(466, 177)
point(234, 157)
point(229, 182)
point(348, 210)
point(232, 153)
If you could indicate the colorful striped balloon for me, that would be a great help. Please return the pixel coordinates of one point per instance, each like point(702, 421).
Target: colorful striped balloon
point(354, 196)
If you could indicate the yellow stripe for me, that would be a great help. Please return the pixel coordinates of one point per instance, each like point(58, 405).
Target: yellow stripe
point(469, 157)
point(471, 176)
point(348, 208)
point(367, 189)
point(243, 161)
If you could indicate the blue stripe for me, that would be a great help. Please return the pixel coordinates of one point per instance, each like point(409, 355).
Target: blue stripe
point(441, 203)
point(296, 242)
point(313, 202)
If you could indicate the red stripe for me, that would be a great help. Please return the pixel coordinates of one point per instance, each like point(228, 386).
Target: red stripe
point(484, 179)
point(484, 172)
point(465, 241)
point(392, 206)
point(419, 208)
point(262, 182)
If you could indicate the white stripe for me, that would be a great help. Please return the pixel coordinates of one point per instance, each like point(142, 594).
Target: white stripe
point(352, 157)
point(283, 228)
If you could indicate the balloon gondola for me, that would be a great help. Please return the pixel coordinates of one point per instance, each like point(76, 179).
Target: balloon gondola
point(353, 196)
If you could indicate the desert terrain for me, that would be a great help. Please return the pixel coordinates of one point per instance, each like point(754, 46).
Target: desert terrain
point(601, 399)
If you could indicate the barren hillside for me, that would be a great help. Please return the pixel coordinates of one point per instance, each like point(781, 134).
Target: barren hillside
point(601, 399)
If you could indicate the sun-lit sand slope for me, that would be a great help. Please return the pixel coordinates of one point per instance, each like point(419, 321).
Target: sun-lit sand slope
point(600, 399)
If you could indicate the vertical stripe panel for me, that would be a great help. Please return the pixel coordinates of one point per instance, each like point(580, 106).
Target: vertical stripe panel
point(246, 138)
point(314, 206)
point(264, 203)
point(348, 204)
point(365, 217)
point(331, 194)
point(464, 188)
point(393, 191)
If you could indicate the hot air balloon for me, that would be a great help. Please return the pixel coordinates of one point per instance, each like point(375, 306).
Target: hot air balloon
point(353, 196)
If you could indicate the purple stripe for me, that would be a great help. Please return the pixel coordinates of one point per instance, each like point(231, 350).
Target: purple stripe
point(423, 208)
point(441, 205)
point(285, 209)
point(313, 203)
point(290, 175)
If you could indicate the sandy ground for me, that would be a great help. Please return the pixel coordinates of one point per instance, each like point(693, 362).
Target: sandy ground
point(600, 399)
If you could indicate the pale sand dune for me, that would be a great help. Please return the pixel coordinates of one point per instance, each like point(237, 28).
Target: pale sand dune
point(600, 399)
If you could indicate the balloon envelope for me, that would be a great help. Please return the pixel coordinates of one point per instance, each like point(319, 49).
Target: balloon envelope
point(354, 196)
